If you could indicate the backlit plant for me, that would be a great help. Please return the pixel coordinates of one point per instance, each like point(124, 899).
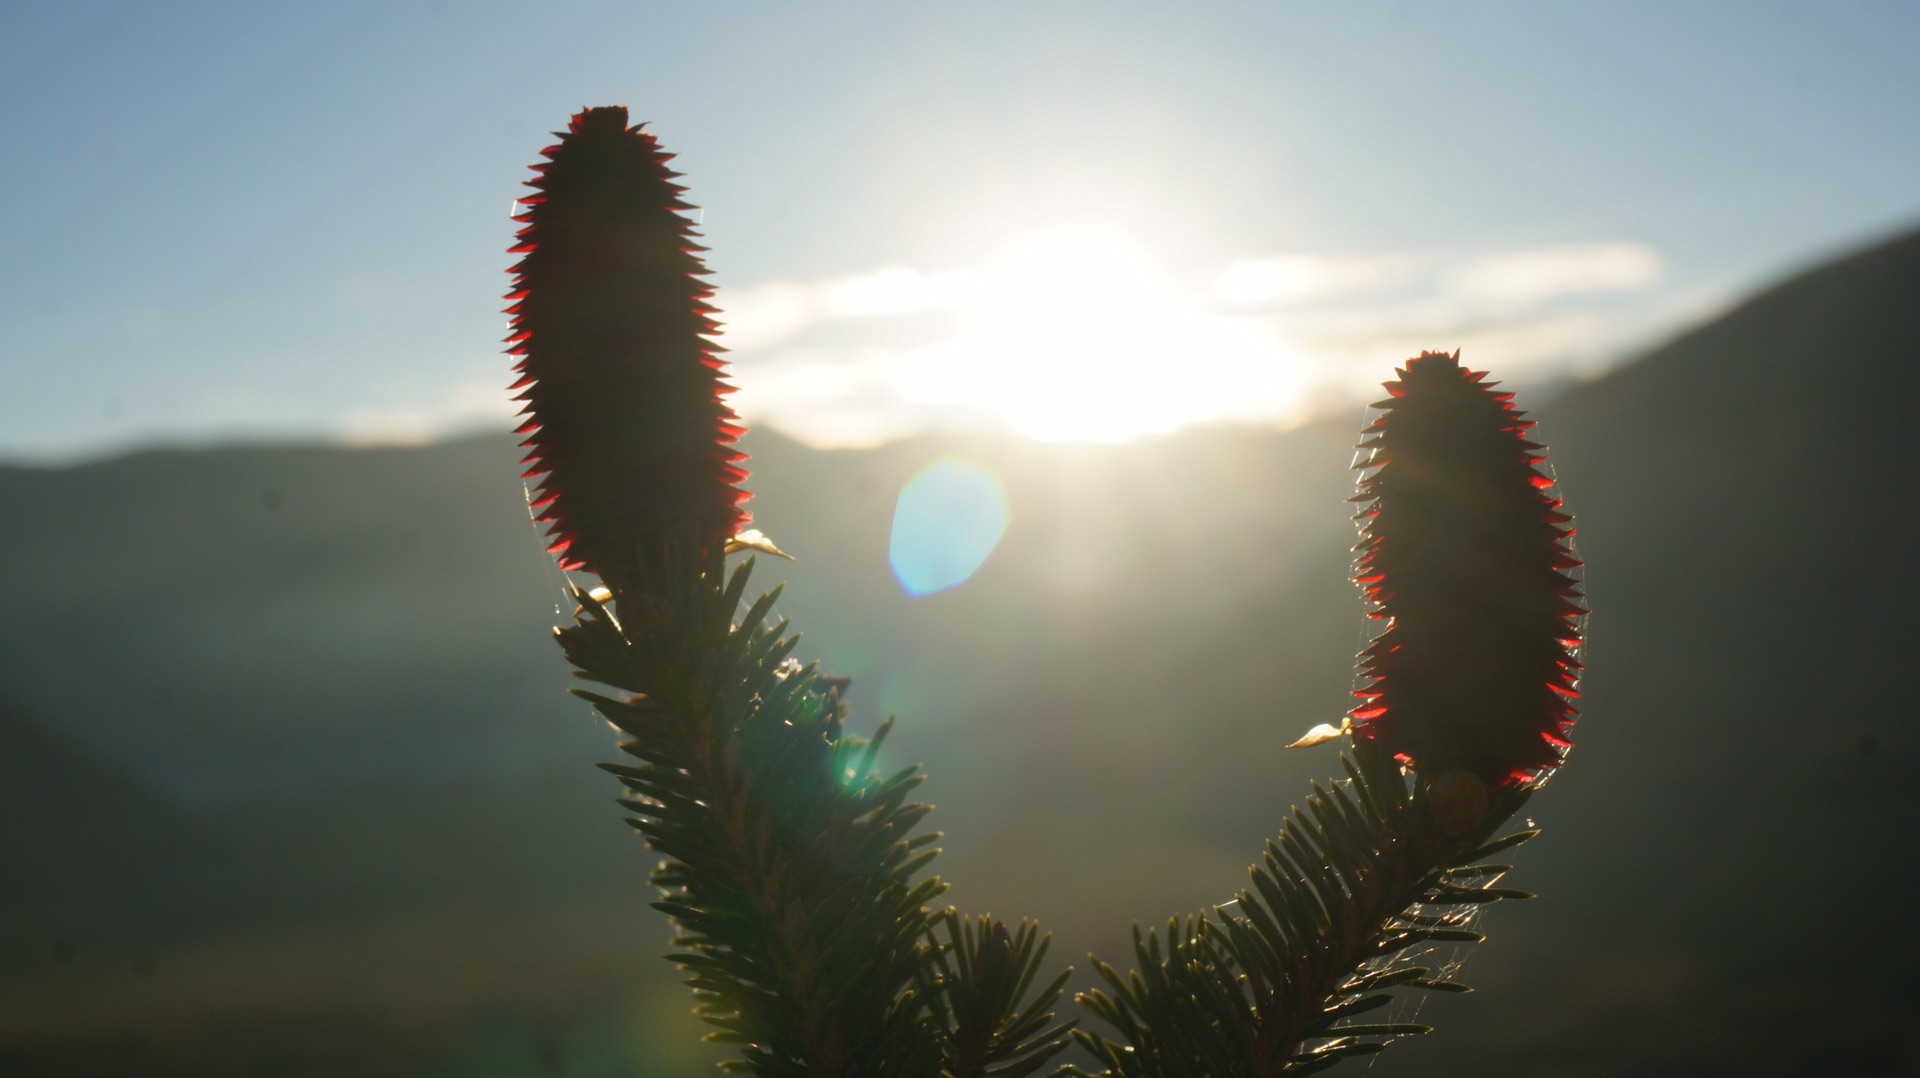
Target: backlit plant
point(795, 874)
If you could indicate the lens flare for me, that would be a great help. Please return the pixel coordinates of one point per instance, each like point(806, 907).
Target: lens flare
point(948, 519)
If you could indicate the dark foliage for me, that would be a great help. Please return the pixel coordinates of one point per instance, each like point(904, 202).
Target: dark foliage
point(1274, 981)
point(793, 869)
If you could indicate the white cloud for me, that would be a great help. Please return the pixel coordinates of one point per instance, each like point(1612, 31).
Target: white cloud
point(1525, 275)
point(895, 290)
point(765, 315)
point(1518, 350)
point(406, 413)
point(1081, 336)
point(831, 398)
point(1292, 277)
point(1546, 273)
point(461, 406)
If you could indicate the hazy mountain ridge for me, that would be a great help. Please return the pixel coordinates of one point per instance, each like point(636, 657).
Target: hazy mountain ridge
point(1740, 779)
point(347, 649)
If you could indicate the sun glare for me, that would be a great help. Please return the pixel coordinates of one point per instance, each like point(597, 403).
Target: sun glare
point(1075, 336)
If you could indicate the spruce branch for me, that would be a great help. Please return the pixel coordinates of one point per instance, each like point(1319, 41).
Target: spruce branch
point(793, 871)
point(1272, 982)
point(1463, 714)
point(981, 997)
point(792, 868)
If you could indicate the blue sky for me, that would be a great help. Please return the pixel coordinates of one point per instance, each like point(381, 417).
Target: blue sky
point(264, 221)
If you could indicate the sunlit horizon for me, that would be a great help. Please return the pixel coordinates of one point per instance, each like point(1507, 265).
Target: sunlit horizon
point(1084, 333)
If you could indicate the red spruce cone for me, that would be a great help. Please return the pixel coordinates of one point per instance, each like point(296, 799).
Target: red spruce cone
point(1463, 552)
point(623, 389)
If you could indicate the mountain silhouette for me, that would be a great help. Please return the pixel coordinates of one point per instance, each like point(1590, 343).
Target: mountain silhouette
point(1734, 826)
point(294, 713)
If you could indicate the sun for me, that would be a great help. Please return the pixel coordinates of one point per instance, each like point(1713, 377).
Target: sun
point(1076, 335)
